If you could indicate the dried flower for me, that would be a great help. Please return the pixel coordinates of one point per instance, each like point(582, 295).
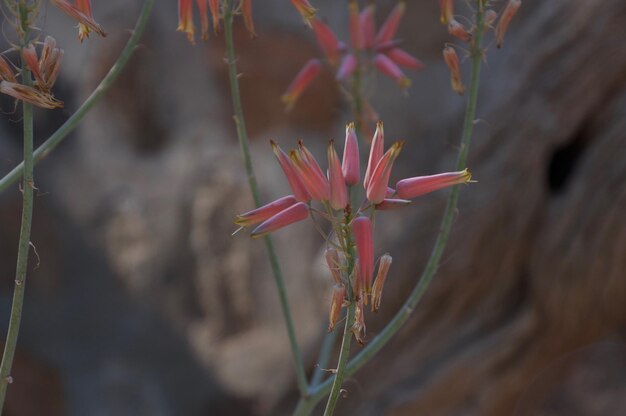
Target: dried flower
point(452, 60)
point(507, 15)
point(377, 290)
point(30, 95)
point(81, 12)
point(339, 295)
point(305, 9)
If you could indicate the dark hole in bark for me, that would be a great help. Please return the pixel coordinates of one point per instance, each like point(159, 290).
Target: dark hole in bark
point(564, 160)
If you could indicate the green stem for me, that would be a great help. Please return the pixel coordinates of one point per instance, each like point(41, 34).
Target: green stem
point(254, 189)
point(71, 123)
point(305, 406)
point(27, 216)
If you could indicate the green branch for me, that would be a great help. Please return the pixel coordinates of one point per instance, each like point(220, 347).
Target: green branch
point(71, 123)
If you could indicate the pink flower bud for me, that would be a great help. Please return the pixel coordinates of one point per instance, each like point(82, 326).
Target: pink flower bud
point(452, 60)
point(420, 185)
point(377, 290)
point(457, 30)
point(392, 203)
point(368, 26)
point(334, 265)
point(295, 183)
point(338, 193)
point(351, 166)
point(404, 59)
point(327, 41)
point(347, 67)
point(447, 11)
point(362, 231)
point(377, 189)
point(376, 152)
point(307, 74)
point(390, 27)
point(507, 15)
point(294, 213)
point(305, 9)
point(387, 67)
point(266, 211)
point(339, 295)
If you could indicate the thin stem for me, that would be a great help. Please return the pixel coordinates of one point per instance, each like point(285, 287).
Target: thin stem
point(344, 353)
point(242, 135)
point(305, 406)
point(27, 216)
point(71, 123)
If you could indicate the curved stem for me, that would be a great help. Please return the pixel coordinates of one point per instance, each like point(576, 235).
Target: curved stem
point(305, 406)
point(242, 135)
point(71, 123)
point(27, 216)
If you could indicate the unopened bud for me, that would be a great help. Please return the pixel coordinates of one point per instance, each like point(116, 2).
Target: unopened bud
point(339, 294)
point(452, 60)
point(457, 30)
point(377, 290)
point(507, 15)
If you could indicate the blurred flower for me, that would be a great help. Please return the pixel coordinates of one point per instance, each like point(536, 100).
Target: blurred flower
point(452, 60)
point(305, 9)
point(507, 15)
point(368, 49)
point(81, 12)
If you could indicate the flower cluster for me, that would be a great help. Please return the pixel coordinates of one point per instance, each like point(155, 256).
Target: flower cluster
point(45, 70)
point(216, 9)
point(367, 48)
point(81, 12)
point(459, 31)
point(350, 255)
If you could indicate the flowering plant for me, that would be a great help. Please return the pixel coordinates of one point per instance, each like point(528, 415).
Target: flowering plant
point(352, 228)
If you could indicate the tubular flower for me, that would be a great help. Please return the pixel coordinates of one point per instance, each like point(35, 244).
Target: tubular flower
point(305, 9)
point(350, 255)
point(447, 11)
point(377, 189)
point(81, 12)
point(362, 230)
point(266, 211)
point(214, 7)
point(350, 165)
point(507, 15)
point(338, 193)
point(452, 60)
point(294, 213)
point(306, 75)
point(339, 295)
point(295, 183)
point(367, 49)
point(420, 185)
point(377, 290)
point(246, 11)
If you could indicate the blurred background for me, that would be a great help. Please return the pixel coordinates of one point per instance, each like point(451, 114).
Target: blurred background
point(140, 302)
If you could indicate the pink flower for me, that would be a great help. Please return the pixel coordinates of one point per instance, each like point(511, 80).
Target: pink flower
point(392, 203)
point(420, 185)
point(368, 27)
point(310, 173)
point(390, 27)
point(327, 41)
point(388, 67)
point(338, 193)
point(362, 230)
point(306, 75)
point(294, 213)
point(81, 12)
point(507, 15)
point(404, 59)
point(266, 211)
point(348, 65)
point(295, 183)
point(377, 189)
point(376, 152)
point(350, 165)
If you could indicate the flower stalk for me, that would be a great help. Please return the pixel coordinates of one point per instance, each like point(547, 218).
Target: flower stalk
point(27, 216)
point(242, 135)
point(306, 405)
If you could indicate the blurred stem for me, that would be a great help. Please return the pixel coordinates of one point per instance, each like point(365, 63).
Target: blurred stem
point(27, 216)
point(306, 406)
point(106, 83)
point(242, 135)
